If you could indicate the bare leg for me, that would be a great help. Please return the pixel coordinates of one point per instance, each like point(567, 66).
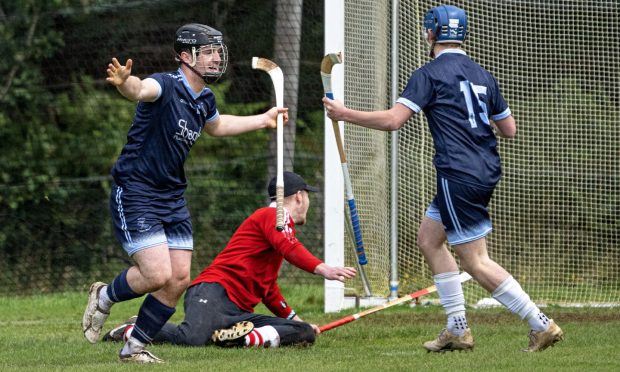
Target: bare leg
point(432, 244)
point(161, 271)
point(475, 260)
point(166, 283)
point(181, 261)
point(153, 269)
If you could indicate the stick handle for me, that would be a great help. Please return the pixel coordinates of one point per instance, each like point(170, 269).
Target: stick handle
point(279, 208)
point(355, 221)
point(357, 232)
point(337, 323)
point(362, 271)
point(279, 89)
point(422, 292)
point(277, 78)
point(336, 128)
point(400, 300)
point(280, 173)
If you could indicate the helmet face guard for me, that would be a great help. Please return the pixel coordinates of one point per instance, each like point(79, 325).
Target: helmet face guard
point(205, 45)
point(448, 24)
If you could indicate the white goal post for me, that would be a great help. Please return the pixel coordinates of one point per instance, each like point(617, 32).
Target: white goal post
point(334, 183)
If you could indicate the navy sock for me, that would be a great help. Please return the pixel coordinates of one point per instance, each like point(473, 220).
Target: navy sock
point(119, 289)
point(151, 318)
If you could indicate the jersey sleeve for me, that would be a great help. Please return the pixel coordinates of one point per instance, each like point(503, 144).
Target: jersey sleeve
point(164, 84)
point(286, 243)
point(276, 303)
point(418, 92)
point(212, 112)
point(499, 106)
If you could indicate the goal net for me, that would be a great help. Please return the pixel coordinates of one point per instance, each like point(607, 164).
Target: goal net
point(555, 212)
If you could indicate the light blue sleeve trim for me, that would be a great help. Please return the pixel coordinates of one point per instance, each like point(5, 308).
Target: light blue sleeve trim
point(502, 115)
point(412, 106)
point(215, 116)
point(291, 315)
point(158, 85)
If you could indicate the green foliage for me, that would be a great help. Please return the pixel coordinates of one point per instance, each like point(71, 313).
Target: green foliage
point(95, 139)
point(50, 144)
point(46, 206)
point(63, 128)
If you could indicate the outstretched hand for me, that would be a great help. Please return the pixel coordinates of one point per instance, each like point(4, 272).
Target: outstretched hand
point(335, 273)
point(272, 114)
point(117, 73)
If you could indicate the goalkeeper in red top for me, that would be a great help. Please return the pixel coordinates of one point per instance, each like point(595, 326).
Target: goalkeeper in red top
point(219, 304)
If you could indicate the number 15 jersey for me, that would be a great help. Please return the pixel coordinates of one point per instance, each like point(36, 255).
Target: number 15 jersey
point(458, 97)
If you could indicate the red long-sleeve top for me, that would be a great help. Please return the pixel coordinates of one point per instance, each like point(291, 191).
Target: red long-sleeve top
point(248, 267)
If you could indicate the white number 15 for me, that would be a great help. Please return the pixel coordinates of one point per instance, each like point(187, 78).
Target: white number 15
point(467, 88)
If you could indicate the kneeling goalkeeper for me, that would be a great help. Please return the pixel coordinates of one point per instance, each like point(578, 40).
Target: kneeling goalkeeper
point(219, 304)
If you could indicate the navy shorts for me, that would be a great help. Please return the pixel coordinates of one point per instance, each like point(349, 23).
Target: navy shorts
point(462, 209)
point(142, 222)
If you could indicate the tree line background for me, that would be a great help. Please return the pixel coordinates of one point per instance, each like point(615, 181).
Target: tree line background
point(62, 127)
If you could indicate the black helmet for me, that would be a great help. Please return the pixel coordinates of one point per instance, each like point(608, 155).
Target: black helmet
point(192, 37)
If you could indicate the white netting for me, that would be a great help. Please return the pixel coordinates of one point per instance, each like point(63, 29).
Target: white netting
point(555, 211)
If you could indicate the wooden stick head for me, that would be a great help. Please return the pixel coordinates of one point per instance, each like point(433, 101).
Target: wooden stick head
point(329, 61)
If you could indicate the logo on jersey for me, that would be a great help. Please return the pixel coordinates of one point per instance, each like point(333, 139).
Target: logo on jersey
point(186, 135)
point(199, 109)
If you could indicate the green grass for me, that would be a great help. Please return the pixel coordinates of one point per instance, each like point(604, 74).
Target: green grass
point(43, 333)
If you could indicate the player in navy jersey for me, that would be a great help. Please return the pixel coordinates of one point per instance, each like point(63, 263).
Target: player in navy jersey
point(465, 111)
point(149, 214)
point(219, 304)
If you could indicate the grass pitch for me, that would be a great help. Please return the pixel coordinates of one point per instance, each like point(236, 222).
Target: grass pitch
point(43, 333)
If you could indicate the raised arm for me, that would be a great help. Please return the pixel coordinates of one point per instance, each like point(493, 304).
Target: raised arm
point(231, 125)
point(131, 87)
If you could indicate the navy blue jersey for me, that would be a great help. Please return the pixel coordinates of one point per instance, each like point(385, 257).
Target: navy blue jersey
point(458, 97)
point(160, 137)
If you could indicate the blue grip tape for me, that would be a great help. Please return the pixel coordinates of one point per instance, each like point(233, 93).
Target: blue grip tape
point(357, 231)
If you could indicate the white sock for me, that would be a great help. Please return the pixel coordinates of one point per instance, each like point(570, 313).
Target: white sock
point(510, 294)
point(132, 346)
point(105, 303)
point(538, 322)
point(453, 301)
point(266, 336)
point(457, 323)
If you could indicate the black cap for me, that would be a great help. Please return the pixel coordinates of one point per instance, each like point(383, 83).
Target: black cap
point(292, 183)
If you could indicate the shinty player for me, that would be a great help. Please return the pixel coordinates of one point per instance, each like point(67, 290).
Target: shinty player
point(149, 214)
point(464, 107)
point(219, 304)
